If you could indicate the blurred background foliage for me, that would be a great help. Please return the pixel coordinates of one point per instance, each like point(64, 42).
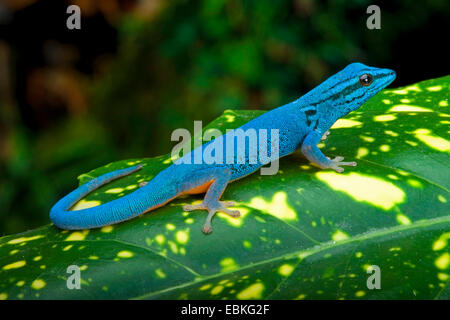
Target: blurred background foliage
point(74, 100)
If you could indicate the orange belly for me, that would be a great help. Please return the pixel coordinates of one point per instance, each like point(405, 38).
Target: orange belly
point(199, 189)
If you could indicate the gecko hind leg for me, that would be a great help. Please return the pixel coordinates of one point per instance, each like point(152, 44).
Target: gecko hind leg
point(220, 178)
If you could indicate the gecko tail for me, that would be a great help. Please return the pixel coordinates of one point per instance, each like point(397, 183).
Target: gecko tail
point(98, 216)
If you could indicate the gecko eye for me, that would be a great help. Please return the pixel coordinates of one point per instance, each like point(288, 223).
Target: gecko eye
point(366, 79)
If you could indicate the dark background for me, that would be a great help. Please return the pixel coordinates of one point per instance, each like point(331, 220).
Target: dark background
point(74, 100)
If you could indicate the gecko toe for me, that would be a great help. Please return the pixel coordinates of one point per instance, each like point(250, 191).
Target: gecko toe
point(338, 169)
point(190, 207)
point(236, 213)
point(337, 162)
point(206, 229)
point(231, 213)
point(228, 203)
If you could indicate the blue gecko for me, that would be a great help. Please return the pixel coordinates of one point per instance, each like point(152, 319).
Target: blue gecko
point(300, 124)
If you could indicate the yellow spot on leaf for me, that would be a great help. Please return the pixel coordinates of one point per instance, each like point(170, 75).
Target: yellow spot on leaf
point(443, 261)
point(3, 296)
point(114, 190)
point(160, 273)
point(385, 117)
point(285, 270)
point(414, 183)
point(37, 258)
point(20, 283)
point(171, 159)
point(442, 242)
point(173, 246)
point(170, 227)
point(365, 188)
point(442, 276)
point(68, 247)
point(229, 118)
point(160, 239)
point(345, 123)
point(182, 237)
point(252, 292)
point(216, 290)
point(125, 254)
point(15, 265)
point(360, 294)
point(24, 239)
point(77, 235)
point(403, 173)
point(402, 219)
point(432, 141)
point(38, 284)
point(107, 229)
point(83, 204)
point(413, 88)
point(228, 264)
point(442, 199)
point(434, 88)
point(385, 148)
point(277, 207)
point(205, 287)
point(368, 139)
point(399, 91)
point(362, 152)
point(392, 176)
point(408, 108)
point(339, 235)
point(391, 133)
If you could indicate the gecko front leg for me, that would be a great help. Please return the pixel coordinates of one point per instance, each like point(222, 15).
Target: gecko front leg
point(313, 154)
point(216, 180)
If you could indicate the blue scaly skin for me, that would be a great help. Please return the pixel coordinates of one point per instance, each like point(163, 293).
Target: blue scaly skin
point(301, 124)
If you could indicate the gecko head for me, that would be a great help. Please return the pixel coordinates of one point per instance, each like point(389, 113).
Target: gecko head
point(357, 83)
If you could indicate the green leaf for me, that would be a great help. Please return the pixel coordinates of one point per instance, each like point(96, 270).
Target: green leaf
point(304, 233)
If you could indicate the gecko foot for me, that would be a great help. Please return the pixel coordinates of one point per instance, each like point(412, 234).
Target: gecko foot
point(219, 206)
point(325, 135)
point(337, 161)
point(142, 184)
